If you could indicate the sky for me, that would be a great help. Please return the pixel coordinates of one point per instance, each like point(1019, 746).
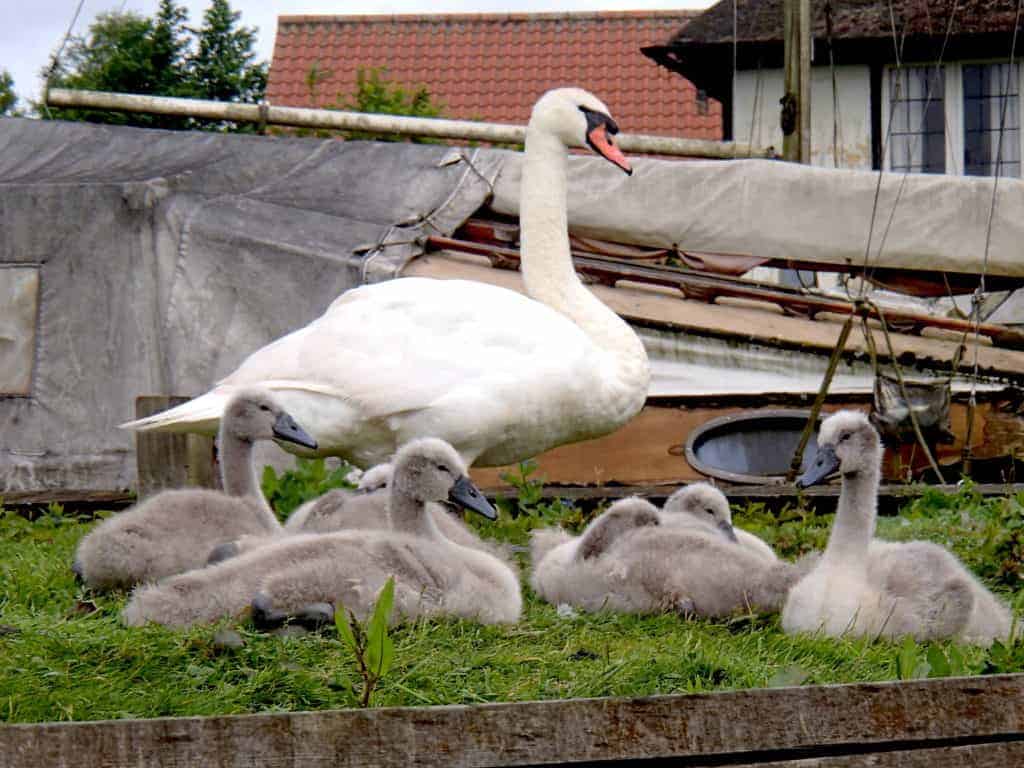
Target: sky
point(27, 43)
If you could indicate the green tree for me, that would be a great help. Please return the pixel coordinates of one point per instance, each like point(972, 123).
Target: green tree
point(127, 53)
point(374, 93)
point(163, 56)
point(8, 98)
point(223, 67)
point(171, 44)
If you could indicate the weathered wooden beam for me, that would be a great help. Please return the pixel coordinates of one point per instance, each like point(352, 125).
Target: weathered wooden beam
point(845, 724)
point(169, 460)
point(68, 497)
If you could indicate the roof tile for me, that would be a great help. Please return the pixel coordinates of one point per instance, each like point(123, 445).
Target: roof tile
point(494, 66)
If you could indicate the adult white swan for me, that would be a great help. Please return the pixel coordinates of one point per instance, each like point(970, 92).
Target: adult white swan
point(499, 376)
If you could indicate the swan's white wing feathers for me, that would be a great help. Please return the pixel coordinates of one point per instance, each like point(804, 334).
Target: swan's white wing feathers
point(452, 333)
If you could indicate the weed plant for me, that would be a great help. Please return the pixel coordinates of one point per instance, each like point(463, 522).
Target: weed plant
point(65, 656)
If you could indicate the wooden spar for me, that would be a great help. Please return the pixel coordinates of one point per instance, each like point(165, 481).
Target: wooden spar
point(796, 103)
point(708, 287)
point(337, 120)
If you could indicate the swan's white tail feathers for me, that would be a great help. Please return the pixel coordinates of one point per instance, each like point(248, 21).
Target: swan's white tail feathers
point(201, 414)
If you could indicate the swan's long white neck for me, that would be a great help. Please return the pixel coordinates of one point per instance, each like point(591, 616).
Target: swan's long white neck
point(547, 268)
point(856, 514)
point(238, 475)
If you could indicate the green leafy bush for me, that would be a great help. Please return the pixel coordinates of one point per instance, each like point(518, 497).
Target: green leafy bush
point(309, 479)
point(528, 509)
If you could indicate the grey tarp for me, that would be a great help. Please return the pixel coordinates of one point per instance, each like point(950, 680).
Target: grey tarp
point(162, 259)
point(788, 211)
point(150, 262)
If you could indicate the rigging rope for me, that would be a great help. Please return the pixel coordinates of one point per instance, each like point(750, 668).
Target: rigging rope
point(866, 269)
point(55, 61)
point(835, 85)
point(978, 295)
point(914, 140)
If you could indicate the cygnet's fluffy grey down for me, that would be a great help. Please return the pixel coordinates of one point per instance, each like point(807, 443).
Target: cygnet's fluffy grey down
point(433, 575)
point(364, 509)
point(320, 515)
point(173, 531)
point(651, 567)
point(329, 512)
point(704, 505)
point(862, 586)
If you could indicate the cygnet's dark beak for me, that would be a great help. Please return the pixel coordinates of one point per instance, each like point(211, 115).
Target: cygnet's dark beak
point(727, 529)
point(825, 463)
point(468, 496)
point(287, 430)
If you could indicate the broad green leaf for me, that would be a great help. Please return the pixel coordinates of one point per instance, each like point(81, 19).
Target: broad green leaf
point(379, 648)
point(957, 662)
point(794, 674)
point(939, 663)
point(909, 663)
point(341, 621)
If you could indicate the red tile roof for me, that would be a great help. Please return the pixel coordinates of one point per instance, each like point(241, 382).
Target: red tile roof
point(494, 66)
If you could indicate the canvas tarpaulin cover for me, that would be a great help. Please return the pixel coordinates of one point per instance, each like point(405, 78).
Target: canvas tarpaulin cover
point(776, 210)
point(140, 262)
point(150, 262)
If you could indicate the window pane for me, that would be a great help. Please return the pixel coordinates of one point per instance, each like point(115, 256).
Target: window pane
point(917, 140)
point(991, 120)
point(19, 298)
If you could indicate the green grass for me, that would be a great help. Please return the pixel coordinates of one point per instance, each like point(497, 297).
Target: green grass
point(68, 658)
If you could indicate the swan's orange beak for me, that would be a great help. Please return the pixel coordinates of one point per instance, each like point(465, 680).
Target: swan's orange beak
point(600, 140)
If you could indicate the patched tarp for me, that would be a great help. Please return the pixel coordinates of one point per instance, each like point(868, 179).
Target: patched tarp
point(150, 262)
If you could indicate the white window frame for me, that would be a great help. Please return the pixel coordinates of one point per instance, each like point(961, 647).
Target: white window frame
point(953, 104)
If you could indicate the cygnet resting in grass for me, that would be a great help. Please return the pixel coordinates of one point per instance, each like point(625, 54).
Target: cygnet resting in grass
point(562, 548)
point(324, 514)
point(434, 576)
point(862, 586)
point(650, 567)
point(173, 531)
point(366, 508)
point(320, 515)
point(704, 505)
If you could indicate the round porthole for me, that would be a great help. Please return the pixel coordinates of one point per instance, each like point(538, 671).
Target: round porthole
point(754, 447)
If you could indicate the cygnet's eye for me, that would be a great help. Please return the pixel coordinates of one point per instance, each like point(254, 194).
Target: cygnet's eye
point(444, 469)
point(709, 510)
point(265, 408)
point(844, 437)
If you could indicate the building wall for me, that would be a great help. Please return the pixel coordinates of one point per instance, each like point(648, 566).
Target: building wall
point(756, 113)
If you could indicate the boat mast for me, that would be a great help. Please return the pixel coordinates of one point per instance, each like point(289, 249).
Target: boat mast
point(796, 103)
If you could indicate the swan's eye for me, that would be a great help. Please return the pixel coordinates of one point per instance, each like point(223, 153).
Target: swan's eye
point(844, 437)
point(709, 510)
point(444, 469)
point(265, 408)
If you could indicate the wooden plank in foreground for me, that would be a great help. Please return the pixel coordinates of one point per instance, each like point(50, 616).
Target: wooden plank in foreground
point(840, 725)
point(996, 754)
